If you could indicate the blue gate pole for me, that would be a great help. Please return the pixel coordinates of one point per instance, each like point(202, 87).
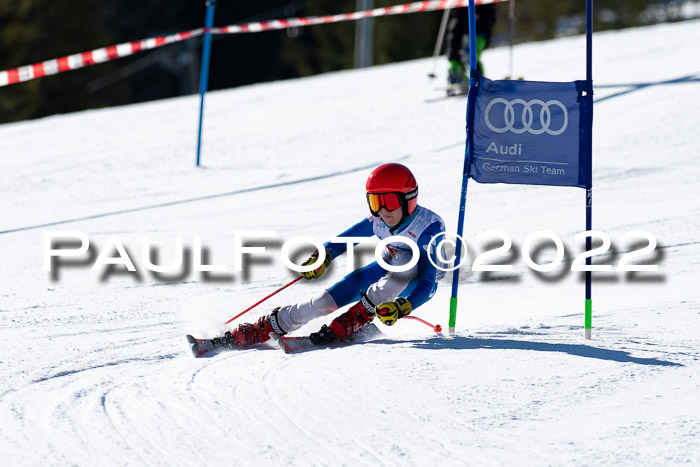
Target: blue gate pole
point(472, 42)
point(467, 164)
point(588, 317)
point(204, 71)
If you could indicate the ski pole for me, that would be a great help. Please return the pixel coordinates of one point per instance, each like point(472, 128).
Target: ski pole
point(436, 328)
point(258, 303)
point(511, 17)
point(440, 38)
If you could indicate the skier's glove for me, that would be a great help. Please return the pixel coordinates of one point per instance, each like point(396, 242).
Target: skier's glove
point(318, 272)
point(389, 312)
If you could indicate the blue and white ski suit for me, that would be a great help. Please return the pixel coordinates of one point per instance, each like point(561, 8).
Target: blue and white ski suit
point(418, 284)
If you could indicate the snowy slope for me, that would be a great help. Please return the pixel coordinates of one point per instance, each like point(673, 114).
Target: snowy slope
point(95, 368)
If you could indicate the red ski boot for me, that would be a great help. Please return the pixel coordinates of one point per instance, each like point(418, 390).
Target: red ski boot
point(345, 325)
point(248, 334)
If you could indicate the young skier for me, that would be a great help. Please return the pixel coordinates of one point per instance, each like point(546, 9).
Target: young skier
point(392, 196)
point(457, 29)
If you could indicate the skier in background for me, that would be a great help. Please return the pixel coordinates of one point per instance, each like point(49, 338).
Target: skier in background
point(392, 196)
point(457, 30)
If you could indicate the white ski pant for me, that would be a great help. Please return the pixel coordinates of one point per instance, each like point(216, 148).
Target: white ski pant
point(386, 289)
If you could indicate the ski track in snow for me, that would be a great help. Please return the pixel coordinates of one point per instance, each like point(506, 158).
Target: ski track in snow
point(95, 369)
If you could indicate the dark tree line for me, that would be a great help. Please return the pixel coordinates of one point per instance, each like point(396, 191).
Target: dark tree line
point(36, 30)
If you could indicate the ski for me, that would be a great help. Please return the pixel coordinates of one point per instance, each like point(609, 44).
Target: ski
point(200, 347)
point(448, 93)
point(432, 100)
point(299, 344)
point(459, 90)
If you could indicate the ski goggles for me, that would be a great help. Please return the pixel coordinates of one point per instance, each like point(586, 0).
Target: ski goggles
point(389, 201)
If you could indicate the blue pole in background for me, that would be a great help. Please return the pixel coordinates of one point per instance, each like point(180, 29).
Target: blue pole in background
point(467, 164)
point(588, 317)
point(204, 72)
point(472, 43)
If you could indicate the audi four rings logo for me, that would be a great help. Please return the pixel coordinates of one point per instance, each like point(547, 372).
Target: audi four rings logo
point(527, 116)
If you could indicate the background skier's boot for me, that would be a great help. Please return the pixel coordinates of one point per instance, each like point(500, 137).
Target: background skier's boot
point(457, 79)
point(481, 44)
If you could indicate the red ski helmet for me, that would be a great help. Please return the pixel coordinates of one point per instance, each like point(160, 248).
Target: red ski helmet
point(392, 186)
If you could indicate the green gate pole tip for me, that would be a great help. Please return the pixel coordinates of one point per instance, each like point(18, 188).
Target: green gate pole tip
point(588, 318)
point(453, 315)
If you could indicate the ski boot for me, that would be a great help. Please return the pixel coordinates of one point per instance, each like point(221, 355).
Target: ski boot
point(249, 334)
point(457, 81)
point(243, 336)
point(345, 325)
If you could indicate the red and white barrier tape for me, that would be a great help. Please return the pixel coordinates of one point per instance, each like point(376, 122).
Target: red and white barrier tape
point(386, 11)
point(80, 60)
point(104, 54)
